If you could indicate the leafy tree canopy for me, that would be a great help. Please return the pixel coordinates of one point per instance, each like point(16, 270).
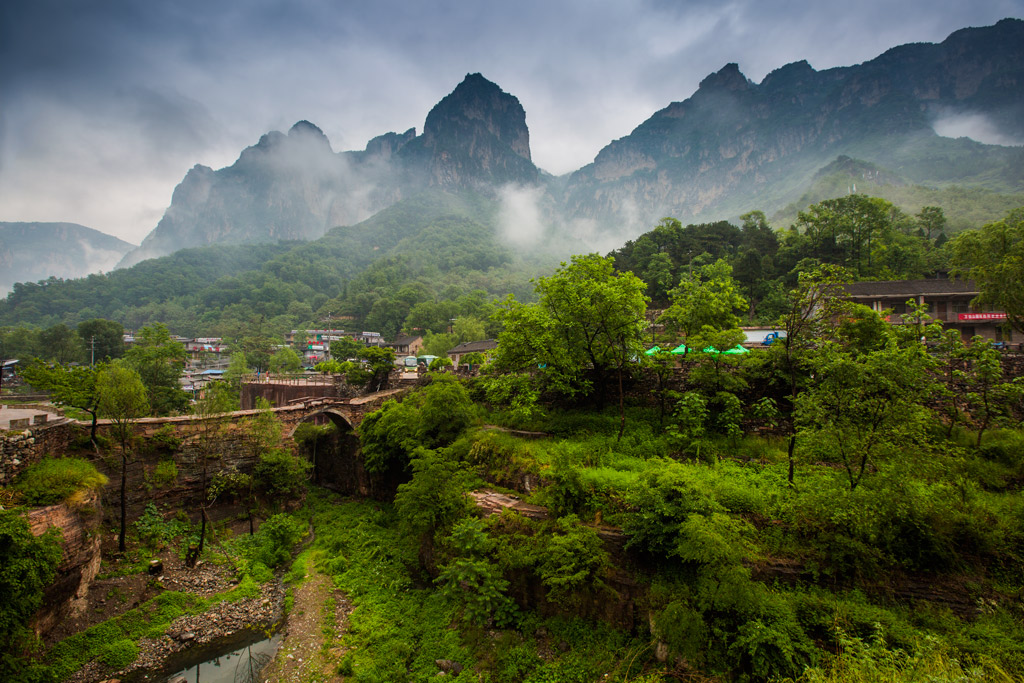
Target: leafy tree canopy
point(994, 258)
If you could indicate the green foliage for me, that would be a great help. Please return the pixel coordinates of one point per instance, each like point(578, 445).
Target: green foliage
point(400, 626)
point(573, 561)
point(434, 498)
point(272, 544)
point(864, 407)
point(159, 359)
point(993, 257)
point(707, 296)
point(27, 565)
point(432, 418)
point(472, 579)
point(281, 475)
point(660, 503)
point(119, 654)
point(689, 420)
point(238, 368)
point(154, 531)
point(330, 367)
point(103, 339)
point(439, 364)
point(588, 318)
point(848, 231)
point(166, 439)
point(285, 360)
point(53, 480)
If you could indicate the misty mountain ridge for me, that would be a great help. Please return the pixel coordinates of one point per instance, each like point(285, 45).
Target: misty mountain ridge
point(731, 147)
point(735, 145)
point(294, 186)
point(27, 251)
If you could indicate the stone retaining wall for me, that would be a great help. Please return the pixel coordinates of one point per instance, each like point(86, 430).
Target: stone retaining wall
point(20, 449)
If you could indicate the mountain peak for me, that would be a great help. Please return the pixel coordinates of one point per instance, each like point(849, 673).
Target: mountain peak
point(477, 103)
point(728, 77)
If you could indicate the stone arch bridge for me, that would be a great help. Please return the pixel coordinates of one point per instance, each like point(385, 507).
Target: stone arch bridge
point(345, 413)
point(343, 473)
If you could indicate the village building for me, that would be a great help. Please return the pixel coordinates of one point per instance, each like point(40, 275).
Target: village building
point(406, 345)
point(947, 301)
point(483, 346)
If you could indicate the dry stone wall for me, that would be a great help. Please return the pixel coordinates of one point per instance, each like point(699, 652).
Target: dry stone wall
point(21, 448)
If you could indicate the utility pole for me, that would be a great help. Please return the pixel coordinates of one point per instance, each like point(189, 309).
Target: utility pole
point(92, 346)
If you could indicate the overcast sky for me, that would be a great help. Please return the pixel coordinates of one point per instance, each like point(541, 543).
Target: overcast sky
point(106, 104)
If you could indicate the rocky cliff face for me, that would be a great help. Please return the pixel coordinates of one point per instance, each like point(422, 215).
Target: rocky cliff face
point(284, 187)
point(295, 186)
point(80, 533)
point(475, 136)
point(735, 145)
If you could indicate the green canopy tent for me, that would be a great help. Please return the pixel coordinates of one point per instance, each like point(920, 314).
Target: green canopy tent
point(681, 349)
point(737, 350)
point(653, 350)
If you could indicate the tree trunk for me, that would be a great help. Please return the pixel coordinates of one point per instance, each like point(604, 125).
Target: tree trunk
point(622, 408)
point(792, 447)
point(124, 499)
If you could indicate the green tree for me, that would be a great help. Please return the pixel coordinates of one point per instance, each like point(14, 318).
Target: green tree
point(159, 360)
point(69, 386)
point(27, 566)
point(865, 407)
point(285, 360)
point(994, 258)
point(932, 222)
point(61, 344)
point(379, 361)
point(211, 413)
point(845, 230)
point(343, 349)
point(21, 343)
point(989, 398)
point(238, 369)
point(706, 297)
point(103, 339)
point(122, 399)
point(813, 308)
point(467, 328)
point(473, 579)
point(587, 328)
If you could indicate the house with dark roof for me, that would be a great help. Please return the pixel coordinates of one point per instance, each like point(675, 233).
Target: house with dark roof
point(947, 301)
point(484, 346)
point(406, 345)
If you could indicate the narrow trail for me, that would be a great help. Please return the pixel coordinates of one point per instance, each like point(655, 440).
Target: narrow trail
point(310, 651)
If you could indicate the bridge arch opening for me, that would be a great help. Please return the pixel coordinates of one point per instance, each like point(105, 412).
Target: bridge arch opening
point(327, 439)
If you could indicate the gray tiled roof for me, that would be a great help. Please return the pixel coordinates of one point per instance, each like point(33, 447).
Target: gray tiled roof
point(470, 347)
point(909, 288)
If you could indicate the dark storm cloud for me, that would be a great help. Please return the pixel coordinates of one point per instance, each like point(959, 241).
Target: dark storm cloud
point(104, 105)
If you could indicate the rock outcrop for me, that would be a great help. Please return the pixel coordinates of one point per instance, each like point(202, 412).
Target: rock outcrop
point(735, 145)
point(79, 524)
point(295, 186)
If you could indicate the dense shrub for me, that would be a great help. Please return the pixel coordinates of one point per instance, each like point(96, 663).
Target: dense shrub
point(27, 565)
point(273, 542)
point(279, 474)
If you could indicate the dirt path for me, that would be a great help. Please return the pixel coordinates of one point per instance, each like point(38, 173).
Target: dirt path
point(310, 651)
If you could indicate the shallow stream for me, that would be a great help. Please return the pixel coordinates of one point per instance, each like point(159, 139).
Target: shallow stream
point(234, 663)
